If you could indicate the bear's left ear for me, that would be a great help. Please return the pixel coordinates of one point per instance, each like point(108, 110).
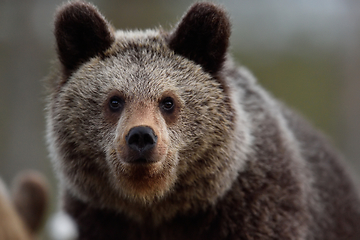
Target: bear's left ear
point(81, 32)
point(203, 36)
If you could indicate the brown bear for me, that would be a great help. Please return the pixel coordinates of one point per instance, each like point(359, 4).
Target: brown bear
point(158, 135)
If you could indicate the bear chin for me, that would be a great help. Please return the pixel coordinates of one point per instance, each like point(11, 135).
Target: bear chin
point(144, 182)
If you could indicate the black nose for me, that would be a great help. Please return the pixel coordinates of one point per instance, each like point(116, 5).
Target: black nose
point(141, 139)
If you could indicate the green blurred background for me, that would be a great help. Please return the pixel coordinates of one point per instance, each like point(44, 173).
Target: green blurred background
point(306, 52)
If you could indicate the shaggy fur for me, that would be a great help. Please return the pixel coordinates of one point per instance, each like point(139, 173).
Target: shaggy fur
point(80, 32)
point(203, 36)
point(230, 162)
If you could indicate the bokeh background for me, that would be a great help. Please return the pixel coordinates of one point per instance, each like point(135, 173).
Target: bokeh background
point(306, 52)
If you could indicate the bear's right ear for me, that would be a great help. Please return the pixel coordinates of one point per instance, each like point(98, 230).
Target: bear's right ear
point(203, 36)
point(81, 32)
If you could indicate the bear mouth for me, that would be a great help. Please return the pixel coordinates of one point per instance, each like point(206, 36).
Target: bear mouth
point(142, 161)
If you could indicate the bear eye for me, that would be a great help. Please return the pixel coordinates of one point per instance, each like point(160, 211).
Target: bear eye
point(116, 103)
point(167, 104)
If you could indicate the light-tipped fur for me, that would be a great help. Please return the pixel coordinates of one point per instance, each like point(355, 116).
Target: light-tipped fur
point(230, 161)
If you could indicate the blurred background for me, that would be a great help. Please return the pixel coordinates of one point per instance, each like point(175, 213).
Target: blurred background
point(306, 52)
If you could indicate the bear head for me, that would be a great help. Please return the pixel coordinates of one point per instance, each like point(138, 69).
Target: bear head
point(144, 121)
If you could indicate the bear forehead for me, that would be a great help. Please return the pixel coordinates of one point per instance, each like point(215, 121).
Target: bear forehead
point(147, 44)
point(139, 63)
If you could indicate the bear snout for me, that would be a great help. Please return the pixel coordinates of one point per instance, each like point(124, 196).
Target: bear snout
point(141, 140)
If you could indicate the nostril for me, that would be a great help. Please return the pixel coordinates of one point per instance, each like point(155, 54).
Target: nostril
point(141, 139)
point(134, 139)
point(149, 139)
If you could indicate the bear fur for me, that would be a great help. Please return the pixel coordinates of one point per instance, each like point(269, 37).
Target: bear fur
point(158, 135)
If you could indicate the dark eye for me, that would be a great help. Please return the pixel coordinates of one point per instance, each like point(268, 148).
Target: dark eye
point(167, 104)
point(116, 103)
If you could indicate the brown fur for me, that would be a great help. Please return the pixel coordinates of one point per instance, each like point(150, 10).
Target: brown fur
point(85, 40)
point(203, 39)
point(230, 162)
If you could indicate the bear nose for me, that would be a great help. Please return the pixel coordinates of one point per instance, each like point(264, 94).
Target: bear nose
point(141, 139)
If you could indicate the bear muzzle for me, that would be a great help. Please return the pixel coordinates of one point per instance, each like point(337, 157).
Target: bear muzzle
point(141, 141)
